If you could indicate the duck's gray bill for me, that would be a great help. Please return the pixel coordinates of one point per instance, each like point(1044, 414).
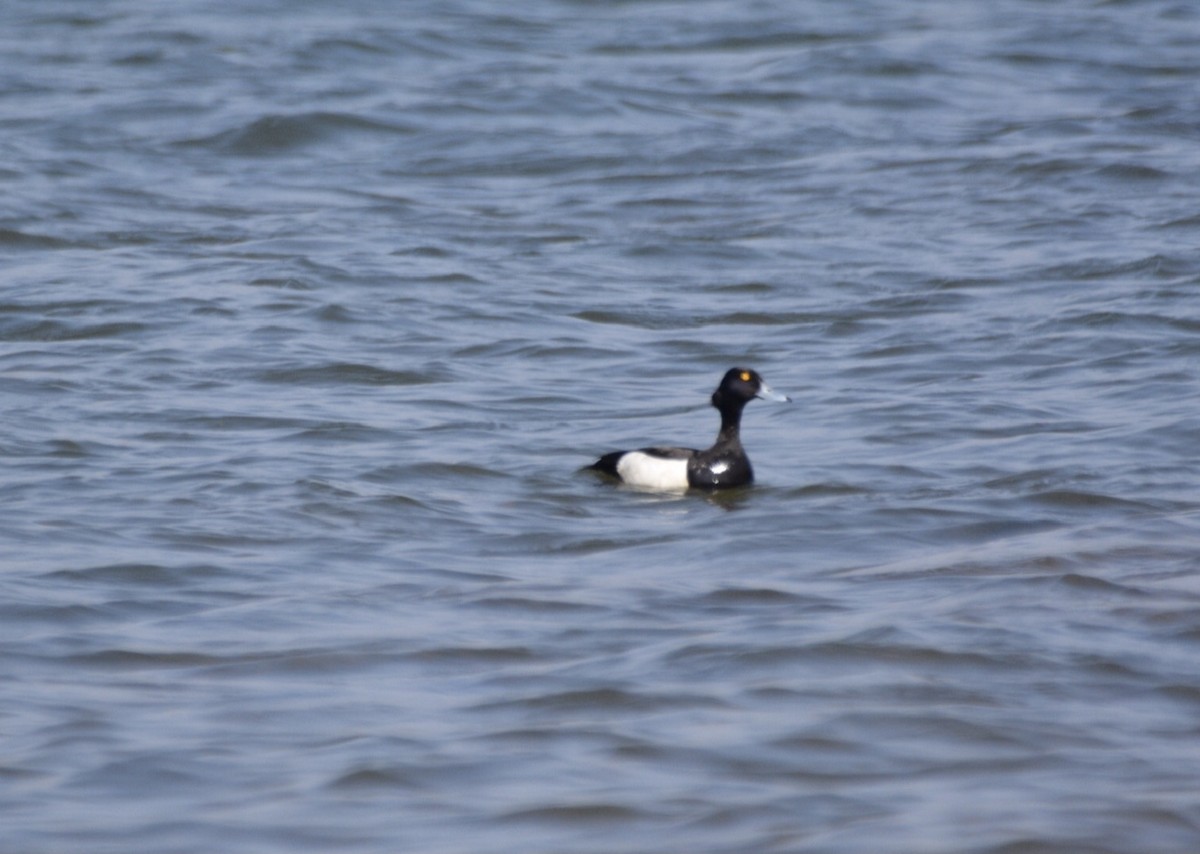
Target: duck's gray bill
point(765, 392)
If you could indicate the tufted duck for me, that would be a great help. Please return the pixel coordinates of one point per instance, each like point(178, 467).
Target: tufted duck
point(722, 466)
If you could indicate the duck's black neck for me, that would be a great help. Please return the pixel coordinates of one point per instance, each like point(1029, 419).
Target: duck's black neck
point(731, 418)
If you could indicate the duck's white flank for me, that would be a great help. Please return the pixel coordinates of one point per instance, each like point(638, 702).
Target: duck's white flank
point(649, 472)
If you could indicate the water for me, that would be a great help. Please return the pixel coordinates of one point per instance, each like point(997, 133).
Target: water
point(311, 315)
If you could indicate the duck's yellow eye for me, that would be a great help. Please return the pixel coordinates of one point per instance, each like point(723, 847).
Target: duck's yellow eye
point(745, 376)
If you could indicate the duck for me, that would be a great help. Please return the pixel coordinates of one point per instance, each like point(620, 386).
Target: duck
point(723, 466)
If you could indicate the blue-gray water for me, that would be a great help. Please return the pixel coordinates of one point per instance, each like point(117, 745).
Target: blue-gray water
point(310, 314)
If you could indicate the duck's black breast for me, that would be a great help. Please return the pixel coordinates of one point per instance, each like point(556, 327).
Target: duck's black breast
point(720, 469)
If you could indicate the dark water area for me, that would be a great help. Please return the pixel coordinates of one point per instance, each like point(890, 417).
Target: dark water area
point(310, 315)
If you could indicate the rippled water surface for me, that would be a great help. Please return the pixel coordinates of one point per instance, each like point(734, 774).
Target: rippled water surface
point(311, 314)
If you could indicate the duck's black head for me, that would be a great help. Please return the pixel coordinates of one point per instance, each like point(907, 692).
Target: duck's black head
point(739, 386)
